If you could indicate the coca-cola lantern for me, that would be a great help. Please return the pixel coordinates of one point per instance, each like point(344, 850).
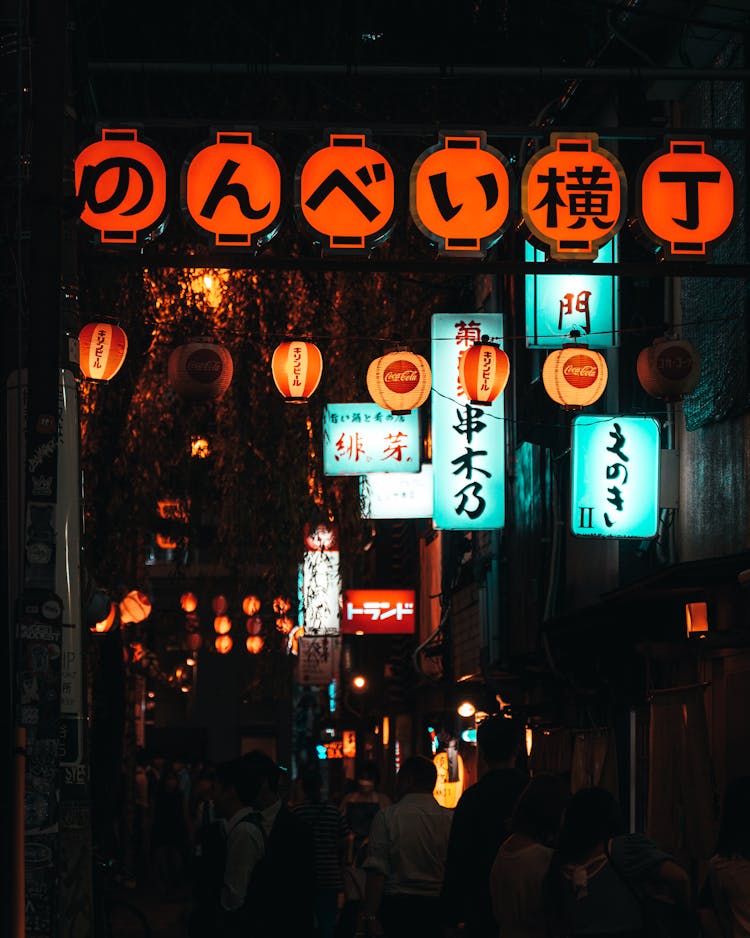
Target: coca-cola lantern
point(399, 381)
point(102, 347)
point(296, 368)
point(200, 370)
point(483, 372)
point(669, 368)
point(575, 376)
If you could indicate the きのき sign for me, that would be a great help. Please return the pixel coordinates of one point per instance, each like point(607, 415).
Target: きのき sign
point(468, 441)
point(615, 476)
point(364, 438)
point(378, 612)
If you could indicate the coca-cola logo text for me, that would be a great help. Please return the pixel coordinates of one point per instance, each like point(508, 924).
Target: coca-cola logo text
point(204, 365)
point(580, 371)
point(401, 376)
point(674, 364)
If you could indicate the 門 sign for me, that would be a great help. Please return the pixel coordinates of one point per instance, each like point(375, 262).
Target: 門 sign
point(615, 476)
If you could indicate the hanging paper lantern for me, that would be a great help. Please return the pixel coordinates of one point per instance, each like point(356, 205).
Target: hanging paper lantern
point(281, 605)
point(399, 381)
point(193, 641)
point(669, 368)
point(250, 605)
point(575, 376)
point(254, 625)
point(135, 607)
point(219, 604)
point(102, 349)
point(192, 622)
point(254, 644)
point(200, 370)
point(223, 644)
point(483, 371)
point(284, 624)
point(188, 602)
point(222, 625)
point(296, 368)
point(106, 624)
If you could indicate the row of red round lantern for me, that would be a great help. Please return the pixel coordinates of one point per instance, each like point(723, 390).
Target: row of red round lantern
point(399, 381)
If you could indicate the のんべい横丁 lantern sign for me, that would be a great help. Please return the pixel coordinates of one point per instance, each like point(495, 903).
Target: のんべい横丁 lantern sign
point(459, 194)
point(573, 196)
point(686, 198)
point(615, 476)
point(231, 189)
point(121, 187)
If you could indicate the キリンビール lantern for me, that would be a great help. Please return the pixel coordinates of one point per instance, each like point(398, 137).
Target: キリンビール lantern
point(483, 371)
point(575, 376)
point(399, 381)
point(200, 370)
point(296, 368)
point(102, 347)
point(669, 368)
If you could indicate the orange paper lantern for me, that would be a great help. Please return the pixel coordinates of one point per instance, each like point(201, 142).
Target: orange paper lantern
point(102, 347)
point(669, 368)
point(575, 376)
point(222, 625)
point(135, 607)
point(188, 602)
point(254, 644)
point(250, 605)
point(254, 625)
point(200, 370)
point(106, 624)
point(223, 644)
point(219, 604)
point(483, 372)
point(399, 381)
point(296, 368)
point(193, 641)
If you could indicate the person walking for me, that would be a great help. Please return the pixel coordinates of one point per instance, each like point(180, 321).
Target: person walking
point(330, 835)
point(521, 864)
point(600, 878)
point(481, 823)
point(724, 905)
point(405, 862)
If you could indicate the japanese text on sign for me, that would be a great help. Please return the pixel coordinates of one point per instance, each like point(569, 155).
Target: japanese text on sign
point(363, 438)
point(384, 612)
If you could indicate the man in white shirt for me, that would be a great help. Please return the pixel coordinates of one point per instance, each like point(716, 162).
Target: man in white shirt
point(406, 860)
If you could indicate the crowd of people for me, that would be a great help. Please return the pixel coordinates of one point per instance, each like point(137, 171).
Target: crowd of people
point(518, 857)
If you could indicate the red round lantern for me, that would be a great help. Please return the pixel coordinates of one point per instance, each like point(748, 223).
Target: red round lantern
point(575, 376)
point(254, 625)
point(399, 381)
point(135, 607)
point(254, 644)
point(200, 370)
point(483, 372)
point(192, 621)
point(222, 625)
point(188, 602)
point(102, 347)
point(296, 368)
point(250, 605)
point(223, 644)
point(219, 604)
point(284, 624)
point(106, 624)
point(193, 641)
point(669, 368)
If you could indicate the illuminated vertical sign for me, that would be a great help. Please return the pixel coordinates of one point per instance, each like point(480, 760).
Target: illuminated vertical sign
point(364, 438)
point(468, 441)
point(615, 476)
point(321, 583)
point(558, 304)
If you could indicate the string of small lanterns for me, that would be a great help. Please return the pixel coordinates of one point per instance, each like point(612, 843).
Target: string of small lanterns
point(574, 376)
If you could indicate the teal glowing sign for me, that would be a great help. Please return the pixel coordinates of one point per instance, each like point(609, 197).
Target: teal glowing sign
point(615, 476)
point(362, 438)
point(558, 304)
point(468, 441)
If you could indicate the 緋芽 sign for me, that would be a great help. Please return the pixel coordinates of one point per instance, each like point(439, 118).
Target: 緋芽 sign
point(468, 441)
point(363, 438)
point(615, 476)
